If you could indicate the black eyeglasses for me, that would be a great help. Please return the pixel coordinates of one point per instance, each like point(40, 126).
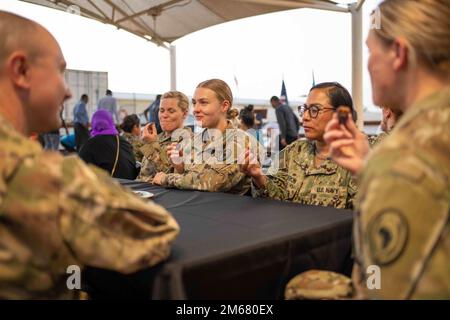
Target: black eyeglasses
point(313, 110)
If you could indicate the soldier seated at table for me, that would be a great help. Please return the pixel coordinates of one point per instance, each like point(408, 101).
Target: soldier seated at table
point(173, 110)
point(304, 171)
point(210, 162)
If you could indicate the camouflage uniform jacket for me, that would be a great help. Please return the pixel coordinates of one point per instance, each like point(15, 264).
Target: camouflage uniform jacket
point(56, 212)
point(155, 154)
point(402, 221)
point(375, 140)
point(213, 163)
point(136, 143)
point(297, 179)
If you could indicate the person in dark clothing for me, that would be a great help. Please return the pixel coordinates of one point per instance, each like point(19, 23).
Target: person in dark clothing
point(81, 122)
point(102, 149)
point(151, 113)
point(287, 121)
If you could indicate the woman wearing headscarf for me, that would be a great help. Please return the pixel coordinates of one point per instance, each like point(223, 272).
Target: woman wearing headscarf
point(107, 150)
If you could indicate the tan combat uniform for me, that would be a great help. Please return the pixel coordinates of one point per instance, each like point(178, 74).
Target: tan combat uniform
point(402, 221)
point(375, 140)
point(213, 163)
point(56, 212)
point(155, 153)
point(297, 179)
point(136, 143)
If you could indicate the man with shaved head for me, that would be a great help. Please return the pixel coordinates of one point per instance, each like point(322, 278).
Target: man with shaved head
point(55, 212)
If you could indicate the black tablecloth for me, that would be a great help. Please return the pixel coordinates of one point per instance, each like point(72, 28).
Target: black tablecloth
point(233, 247)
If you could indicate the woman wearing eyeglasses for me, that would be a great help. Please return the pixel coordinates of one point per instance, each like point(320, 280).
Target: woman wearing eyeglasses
point(304, 172)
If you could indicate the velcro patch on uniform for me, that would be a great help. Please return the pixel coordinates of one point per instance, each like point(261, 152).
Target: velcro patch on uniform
point(387, 236)
point(409, 168)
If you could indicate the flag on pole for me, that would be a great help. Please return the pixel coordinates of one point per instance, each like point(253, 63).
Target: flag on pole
point(283, 94)
point(236, 81)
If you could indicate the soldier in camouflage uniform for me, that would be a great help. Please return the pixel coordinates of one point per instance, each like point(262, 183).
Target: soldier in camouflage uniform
point(302, 173)
point(297, 179)
point(57, 212)
point(156, 158)
point(407, 233)
point(210, 162)
point(402, 221)
point(173, 110)
point(390, 118)
point(217, 169)
point(376, 139)
point(131, 127)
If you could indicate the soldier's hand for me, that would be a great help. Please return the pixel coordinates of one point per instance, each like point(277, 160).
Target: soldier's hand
point(348, 145)
point(251, 167)
point(149, 134)
point(159, 177)
point(175, 155)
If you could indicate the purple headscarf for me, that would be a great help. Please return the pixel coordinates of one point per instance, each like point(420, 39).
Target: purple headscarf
point(103, 124)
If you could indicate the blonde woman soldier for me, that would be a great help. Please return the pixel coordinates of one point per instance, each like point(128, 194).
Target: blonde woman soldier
point(173, 110)
point(211, 161)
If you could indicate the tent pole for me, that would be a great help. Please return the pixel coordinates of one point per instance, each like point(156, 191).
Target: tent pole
point(357, 61)
point(173, 67)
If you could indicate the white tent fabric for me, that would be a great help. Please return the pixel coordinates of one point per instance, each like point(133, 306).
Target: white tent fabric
point(164, 21)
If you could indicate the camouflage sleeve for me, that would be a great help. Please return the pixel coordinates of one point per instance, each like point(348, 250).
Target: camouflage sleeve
point(214, 178)
point(137, 145)
point(375, 140)
point(404, 216)
point(277, 177)
point(352, 190)
point(84, 211)
point(155, 160)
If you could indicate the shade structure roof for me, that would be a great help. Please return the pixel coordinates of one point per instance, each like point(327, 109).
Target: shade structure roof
point(164, 21)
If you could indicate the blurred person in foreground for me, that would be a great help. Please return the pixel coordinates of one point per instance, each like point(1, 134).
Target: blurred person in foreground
point(401, 226)
point(57, 212)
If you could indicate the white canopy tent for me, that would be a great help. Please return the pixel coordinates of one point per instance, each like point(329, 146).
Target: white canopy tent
point(164, 21)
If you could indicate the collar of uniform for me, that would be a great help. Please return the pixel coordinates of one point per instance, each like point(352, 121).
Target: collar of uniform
point(163, 136)
point(209, 145)
point(14, 147)
point(206, 138)
point(436, 100)
point(5, 125)
point(129, 135)
point(7, 130)
point(328, 166)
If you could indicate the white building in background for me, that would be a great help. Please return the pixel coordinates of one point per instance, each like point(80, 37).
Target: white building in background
point(95, 83)
point(92, 83)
